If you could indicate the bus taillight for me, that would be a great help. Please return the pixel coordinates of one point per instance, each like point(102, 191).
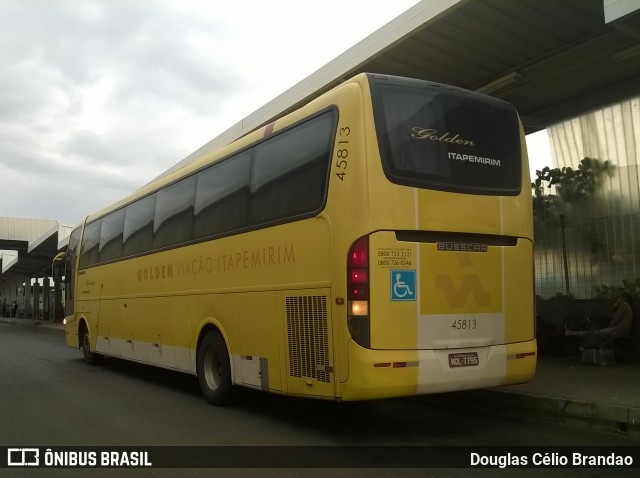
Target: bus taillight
point(358, 291)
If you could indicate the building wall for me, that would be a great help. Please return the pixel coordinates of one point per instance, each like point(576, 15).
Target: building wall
point(610, 134)
point(593, 247)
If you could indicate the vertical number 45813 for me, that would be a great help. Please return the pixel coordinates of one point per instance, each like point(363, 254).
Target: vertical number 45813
point(342, 152)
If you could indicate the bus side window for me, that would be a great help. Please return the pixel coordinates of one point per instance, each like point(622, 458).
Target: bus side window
point(290, 171)
point(222, 197)
point(90, 242)
point(69, 270)
point(138, 226)
point(173, 218)
point(111, 236)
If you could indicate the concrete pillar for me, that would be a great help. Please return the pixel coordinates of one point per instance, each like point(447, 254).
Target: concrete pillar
point(37, 314)
point(5, 288)
point(46, 299)
point(21, 296)
point(57, 307)
point(12, 290)
point(28, 309)
point(15, 286)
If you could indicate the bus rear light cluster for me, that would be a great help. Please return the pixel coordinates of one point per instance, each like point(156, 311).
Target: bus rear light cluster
point(358, 291)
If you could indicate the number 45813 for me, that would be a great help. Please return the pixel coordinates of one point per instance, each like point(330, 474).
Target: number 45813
point(464, 324)
point(342, 152)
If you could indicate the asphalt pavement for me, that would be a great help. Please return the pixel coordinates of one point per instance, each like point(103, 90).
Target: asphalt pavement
point(562, 389)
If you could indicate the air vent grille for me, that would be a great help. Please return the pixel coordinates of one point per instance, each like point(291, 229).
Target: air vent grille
point(308, 337)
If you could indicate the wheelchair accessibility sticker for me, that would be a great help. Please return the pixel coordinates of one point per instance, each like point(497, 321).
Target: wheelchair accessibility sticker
point(403, 285)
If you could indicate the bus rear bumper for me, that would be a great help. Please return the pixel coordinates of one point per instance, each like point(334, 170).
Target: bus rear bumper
point(399, 373)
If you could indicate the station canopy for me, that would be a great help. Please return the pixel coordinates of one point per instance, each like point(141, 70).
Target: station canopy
point(553, 59)
point(27, 246)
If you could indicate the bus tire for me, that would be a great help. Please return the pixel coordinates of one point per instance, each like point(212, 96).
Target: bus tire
point(214, 369)
point(90, 357)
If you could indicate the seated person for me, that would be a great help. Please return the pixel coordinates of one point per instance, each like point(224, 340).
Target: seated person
point(620, 325)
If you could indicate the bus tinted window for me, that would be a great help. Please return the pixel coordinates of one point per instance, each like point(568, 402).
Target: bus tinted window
point(222, 197)
point(174, 213)
point(446, 139)
point(111, 236)
point(70, 264)
point(290, 171)
point(90, 243)
point(138, 226)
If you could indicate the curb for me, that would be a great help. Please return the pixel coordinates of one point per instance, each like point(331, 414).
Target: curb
point(599, 415)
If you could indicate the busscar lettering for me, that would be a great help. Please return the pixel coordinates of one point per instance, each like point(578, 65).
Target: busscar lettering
point(462, 247)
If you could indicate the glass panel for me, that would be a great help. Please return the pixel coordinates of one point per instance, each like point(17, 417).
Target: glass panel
point(290, 171)
point(69, 276)
point(448, 139)
point(90, 242)
point(138, 226)
point(111, 236)
point(173, 221)
point(222, 196)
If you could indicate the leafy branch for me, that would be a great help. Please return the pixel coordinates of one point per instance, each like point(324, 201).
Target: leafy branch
point(572, 186)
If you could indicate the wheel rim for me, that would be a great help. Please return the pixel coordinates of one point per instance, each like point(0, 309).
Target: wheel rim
point(212, 369)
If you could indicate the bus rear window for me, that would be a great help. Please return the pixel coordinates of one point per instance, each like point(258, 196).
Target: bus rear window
point(437, 137)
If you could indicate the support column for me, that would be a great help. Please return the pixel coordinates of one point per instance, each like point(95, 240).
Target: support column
point(5, 298)
point(15, 287)
point(22, 296)
point(37, 314)
point(28, 309)
point(57, 307)
point(46, 299)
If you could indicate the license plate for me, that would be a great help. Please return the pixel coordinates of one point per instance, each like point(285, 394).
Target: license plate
point(466, 359)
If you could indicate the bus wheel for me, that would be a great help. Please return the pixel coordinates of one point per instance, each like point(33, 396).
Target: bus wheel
point(214, 369)
point(90, 357)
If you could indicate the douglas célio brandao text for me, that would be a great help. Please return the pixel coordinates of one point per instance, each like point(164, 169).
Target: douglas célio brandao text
point(550, 459)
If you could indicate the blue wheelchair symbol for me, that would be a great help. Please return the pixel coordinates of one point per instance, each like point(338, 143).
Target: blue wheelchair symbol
point(403, 285)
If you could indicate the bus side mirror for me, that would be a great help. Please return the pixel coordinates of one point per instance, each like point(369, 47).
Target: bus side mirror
point(58, 267)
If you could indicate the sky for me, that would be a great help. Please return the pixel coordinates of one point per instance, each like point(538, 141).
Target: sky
point(99, 97)
point(539, 151)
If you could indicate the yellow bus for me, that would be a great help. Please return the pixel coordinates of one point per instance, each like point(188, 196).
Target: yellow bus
point(377, 242)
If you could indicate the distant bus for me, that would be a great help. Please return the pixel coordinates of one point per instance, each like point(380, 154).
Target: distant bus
point(377, 242)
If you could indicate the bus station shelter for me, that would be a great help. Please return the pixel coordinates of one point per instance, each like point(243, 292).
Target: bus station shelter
point(27, 249)
point(554, 60)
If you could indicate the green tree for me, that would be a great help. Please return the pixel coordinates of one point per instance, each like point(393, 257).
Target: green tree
point(575, 188)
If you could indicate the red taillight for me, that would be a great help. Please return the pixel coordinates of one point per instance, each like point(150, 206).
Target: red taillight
point(359, 254)
point(359, 276)
point(358, 271)
point(358, 291)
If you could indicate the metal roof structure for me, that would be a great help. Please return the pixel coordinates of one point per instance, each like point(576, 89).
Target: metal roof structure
point(553, 59)
point(27, 246)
